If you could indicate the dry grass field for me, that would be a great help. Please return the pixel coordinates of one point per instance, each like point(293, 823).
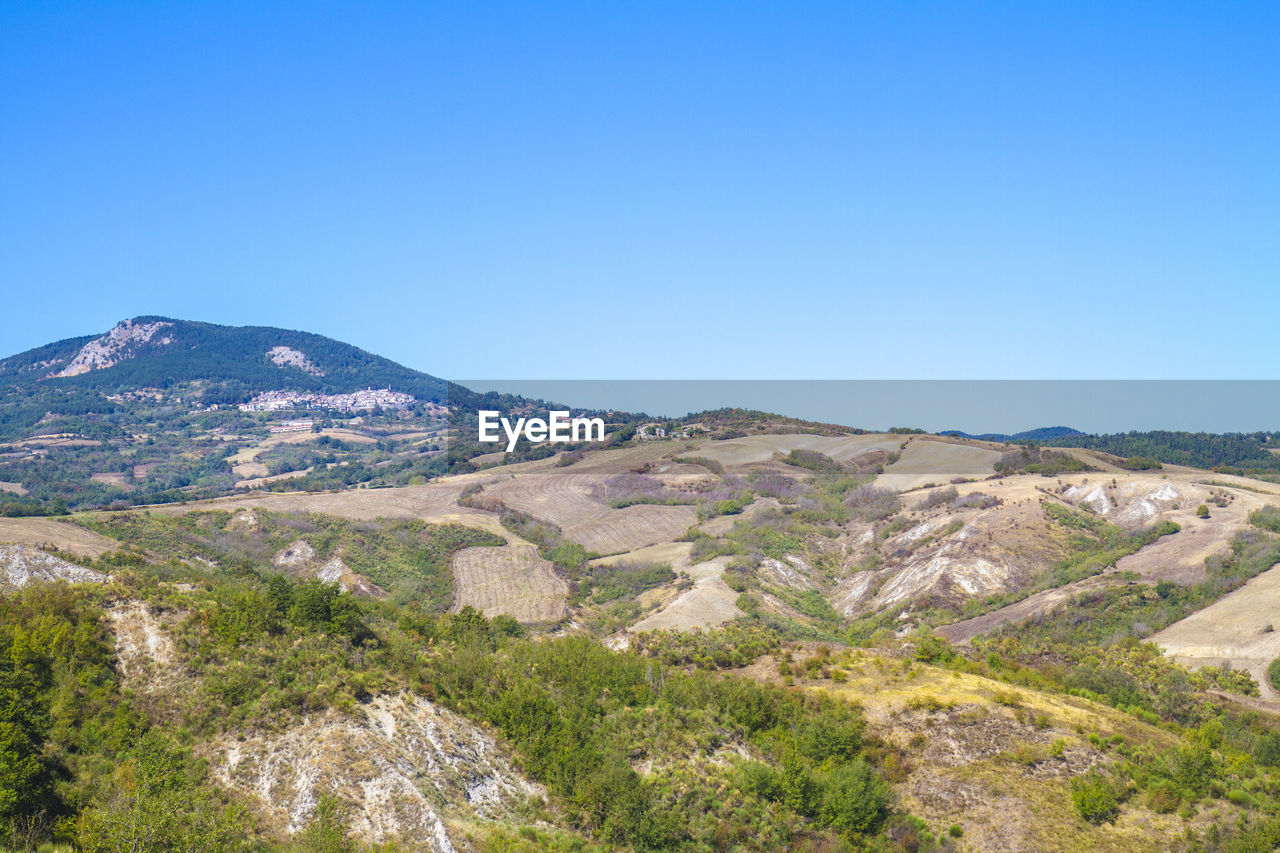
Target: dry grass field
point(761, 448)
point(627, 529)
point(1232, 630)
point(63, 536)
point(929, 461)
point(510, 579)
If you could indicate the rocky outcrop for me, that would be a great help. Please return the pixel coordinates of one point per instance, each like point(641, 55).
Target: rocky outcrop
point(22, 564)
point(402, 768)
point(289, 357)
point(114, 347)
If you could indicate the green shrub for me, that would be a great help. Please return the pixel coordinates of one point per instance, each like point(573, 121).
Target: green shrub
point(1267, 749)
point(1163, 797)
point(854, 798)
point(1093, 798)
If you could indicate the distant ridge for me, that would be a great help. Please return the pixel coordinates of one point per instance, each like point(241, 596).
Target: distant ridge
point(159, 352)
point(1041, 434)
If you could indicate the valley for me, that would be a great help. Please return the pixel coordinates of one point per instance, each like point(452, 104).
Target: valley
point(359, 629)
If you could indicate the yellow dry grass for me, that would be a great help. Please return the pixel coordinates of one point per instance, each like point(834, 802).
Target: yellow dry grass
point(46, 531)
point(979, 754)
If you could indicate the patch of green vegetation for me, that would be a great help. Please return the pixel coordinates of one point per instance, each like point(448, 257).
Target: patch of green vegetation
point(1047, 463)
point(1267, 518)
point(1100, 546)
point(1094, 798)
point(814, 461)
point(811, 603)
point(710, 464)
point(1141, 463)
point(408, 558)
point(79, 762)
point(261, 650)
point(1247, 454)
point(601, 584)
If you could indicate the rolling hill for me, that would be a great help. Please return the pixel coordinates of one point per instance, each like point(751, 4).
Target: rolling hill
point(751, 632)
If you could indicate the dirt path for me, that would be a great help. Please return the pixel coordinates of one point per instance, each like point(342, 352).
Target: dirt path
point(958, 633)
point(709, 602)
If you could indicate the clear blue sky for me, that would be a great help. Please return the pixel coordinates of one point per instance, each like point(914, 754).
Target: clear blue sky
point(658, 190)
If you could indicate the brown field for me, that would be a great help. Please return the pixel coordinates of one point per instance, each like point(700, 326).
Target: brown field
point(761, 448)
point(674, 553)
point(1232, 630)
point(566, 498)
point(16, 488)
point(632, 527)
point(63, 536)
point(436, 503)
point(510, 579)
point(929, 461)
point(112, 479)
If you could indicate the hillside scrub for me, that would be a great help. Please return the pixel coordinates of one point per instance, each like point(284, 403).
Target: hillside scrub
point(872, 503)
point(1031, 460)
point(938, 497)
point(604, 583)
point(408, 558)
point(262, 650)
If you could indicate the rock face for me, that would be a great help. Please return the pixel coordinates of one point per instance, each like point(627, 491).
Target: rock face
point(21, 564)
point(145, 653)
point(114, 347)
point(289, 357)
point(1135, 503)
point(402, 768)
